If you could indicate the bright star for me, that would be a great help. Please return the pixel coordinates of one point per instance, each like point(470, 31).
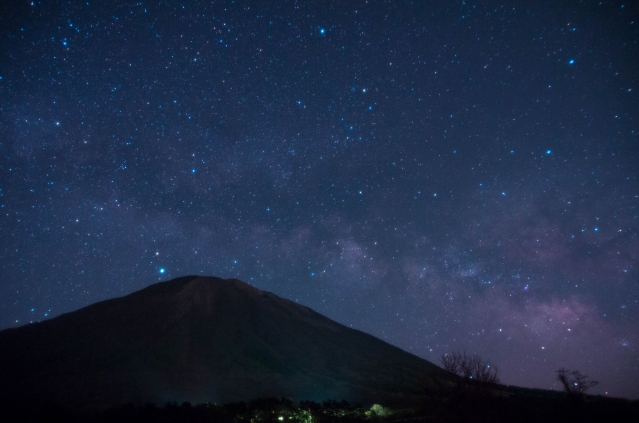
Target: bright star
point(162, 270)
point(571, 61)
point(322, 31)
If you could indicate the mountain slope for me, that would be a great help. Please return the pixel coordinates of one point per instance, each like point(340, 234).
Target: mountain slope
point(202, 339)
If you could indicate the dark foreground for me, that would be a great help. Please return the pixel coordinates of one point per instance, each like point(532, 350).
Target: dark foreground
point(507, 405)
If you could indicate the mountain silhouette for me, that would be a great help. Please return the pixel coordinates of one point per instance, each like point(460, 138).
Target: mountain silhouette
point(202, 339)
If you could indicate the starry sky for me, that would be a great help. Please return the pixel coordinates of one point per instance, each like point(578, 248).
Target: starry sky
point(443, 175)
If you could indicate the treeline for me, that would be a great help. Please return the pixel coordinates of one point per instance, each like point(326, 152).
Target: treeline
point(475, 395)
point(505, 404)
point(459, 403)
point(262, 410)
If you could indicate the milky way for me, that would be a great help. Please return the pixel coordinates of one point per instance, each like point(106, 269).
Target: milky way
point(445, 176)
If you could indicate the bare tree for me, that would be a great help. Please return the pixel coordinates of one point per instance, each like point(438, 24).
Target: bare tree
point(470, 366)
point(574, 382)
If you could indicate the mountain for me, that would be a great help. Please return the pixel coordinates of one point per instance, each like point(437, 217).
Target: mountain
point(202, 339)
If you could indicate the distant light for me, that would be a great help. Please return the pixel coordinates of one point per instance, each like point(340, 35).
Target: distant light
point(162, 270)
point(280, 417)
point(571, 61)
point(322, 31)
point(548, 151)
point(192, 170)
point(596, 229)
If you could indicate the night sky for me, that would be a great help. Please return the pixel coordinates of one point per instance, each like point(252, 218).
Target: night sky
point(457, 175)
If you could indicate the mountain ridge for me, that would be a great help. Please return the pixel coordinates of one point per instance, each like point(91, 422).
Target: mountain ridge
point(202, 339)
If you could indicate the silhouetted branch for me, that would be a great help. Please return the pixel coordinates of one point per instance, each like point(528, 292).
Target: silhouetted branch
point(470, 366)
point(574, 382)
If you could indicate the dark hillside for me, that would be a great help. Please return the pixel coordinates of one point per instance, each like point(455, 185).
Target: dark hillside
point(202, 339)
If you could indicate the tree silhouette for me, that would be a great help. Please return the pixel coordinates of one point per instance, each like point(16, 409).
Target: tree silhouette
point(574, 382)
point(470, 366)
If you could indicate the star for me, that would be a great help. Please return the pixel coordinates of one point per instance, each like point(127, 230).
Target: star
point(216, 92)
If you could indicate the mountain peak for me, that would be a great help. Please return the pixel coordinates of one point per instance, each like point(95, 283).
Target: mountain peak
point(201, 339)
point(198, 287)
